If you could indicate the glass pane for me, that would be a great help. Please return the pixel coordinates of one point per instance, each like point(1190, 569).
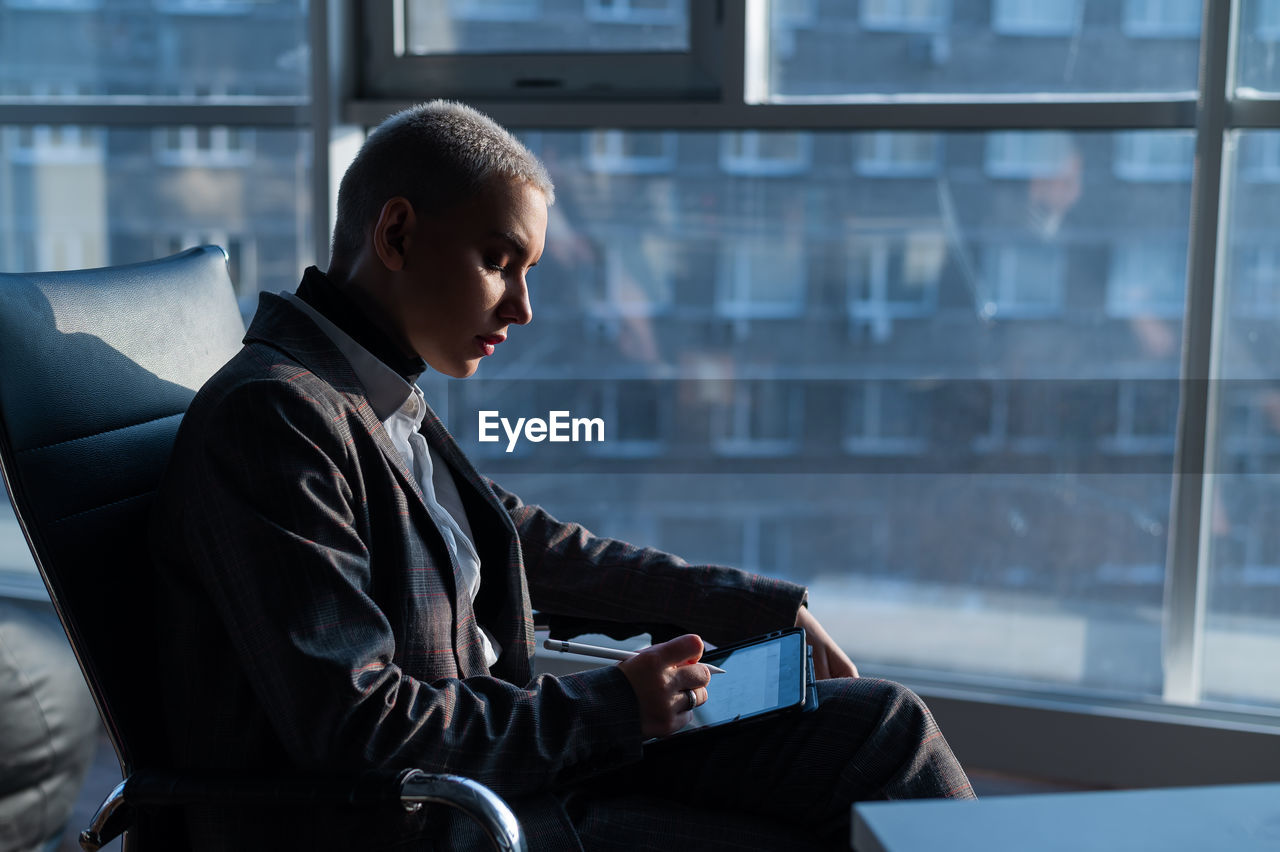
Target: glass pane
point(983, 46)
point(1242, 624)
point(544, 26)
point(74, 197)
point(190, 49)
point(1258, 48)
point(839, 403)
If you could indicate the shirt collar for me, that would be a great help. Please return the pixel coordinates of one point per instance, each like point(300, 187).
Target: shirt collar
point(319, 291)
point(386, 389)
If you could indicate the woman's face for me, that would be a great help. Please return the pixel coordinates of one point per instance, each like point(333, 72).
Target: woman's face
point(463, 281)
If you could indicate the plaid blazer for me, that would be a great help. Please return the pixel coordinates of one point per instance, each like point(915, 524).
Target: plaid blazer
point(311, 615)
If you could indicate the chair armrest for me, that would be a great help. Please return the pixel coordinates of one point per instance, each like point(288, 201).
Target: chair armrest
point(110, 820)
point(410, 788)
point(472, 798)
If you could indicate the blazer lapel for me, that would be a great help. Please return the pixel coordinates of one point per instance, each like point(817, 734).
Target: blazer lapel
point(503, 602)
point(281, 325)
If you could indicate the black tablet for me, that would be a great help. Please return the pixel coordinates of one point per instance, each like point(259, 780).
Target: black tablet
point(763, 676)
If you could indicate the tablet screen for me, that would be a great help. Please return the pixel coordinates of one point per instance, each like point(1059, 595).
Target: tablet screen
point(758, 678)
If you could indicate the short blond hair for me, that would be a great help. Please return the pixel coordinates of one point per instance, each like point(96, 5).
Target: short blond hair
point(435, 154)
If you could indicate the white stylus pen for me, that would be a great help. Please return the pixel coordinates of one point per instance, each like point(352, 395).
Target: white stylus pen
point(602, 653)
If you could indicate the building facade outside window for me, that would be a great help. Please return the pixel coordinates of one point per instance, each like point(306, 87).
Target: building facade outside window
point(887, 153)
point(1022, 280)
point(1036, 17)
point(905, 15)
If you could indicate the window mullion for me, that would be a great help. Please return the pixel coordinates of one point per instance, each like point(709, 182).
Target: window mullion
point(323, 111)
point(1188, 549)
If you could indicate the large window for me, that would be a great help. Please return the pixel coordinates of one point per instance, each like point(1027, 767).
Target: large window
point(878, 48)
point(938, 267)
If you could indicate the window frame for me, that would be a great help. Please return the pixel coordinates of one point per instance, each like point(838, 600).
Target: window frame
point(399, 74)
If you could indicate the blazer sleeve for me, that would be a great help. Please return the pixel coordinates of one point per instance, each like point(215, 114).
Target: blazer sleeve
point(573, 572)
point(270, 528)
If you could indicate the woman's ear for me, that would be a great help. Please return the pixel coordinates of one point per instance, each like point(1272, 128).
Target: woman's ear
point(396, 221)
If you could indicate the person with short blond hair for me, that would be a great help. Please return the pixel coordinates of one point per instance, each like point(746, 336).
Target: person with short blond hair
point(346, 592)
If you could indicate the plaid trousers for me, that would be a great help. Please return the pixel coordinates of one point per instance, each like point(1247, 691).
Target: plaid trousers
point(783, 783)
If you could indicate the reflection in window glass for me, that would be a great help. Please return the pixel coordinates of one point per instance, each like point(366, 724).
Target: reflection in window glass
point(759, 279)
point(752, 437)
point(895, 277)
point(1257, 46)
point(763, 418)
point(889, 47)
point(215, 147)
point(897, 154)
point(636, 11)
point(751, 152)
point(1028, 154)
point(1147, 279)
point(1259, 156)
point(1162, 18)
point(636, 152)
point(1155, 155)
point(544, 26)
point(638, 413)
point(887, 418)
point(1022, 280)
point(905, 15)
point(1036, 17)
point(189, 49)
point(1255, 281)
point(638, 276)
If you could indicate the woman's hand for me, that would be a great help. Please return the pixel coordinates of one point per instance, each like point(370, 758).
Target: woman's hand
point(828, 660)
point(662, 677)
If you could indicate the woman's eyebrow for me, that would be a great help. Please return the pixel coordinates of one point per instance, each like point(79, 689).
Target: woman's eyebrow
point(518, 244)
point(510, 237)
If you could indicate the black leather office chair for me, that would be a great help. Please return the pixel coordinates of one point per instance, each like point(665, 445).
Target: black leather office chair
point(96, 369)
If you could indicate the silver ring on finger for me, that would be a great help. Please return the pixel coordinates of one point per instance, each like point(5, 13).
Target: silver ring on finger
point(692, 695)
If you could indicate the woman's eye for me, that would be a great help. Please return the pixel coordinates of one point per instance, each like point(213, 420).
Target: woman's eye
point(495, 265)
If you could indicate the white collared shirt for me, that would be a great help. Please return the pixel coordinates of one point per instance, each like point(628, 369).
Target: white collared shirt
point(401, 407)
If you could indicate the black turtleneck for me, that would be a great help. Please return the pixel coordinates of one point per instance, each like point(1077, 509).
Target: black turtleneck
point(319, 292)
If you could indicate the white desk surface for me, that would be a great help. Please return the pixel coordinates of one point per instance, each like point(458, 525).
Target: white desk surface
point(1235, 818)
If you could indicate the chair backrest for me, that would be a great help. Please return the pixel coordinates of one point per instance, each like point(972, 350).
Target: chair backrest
point(97, 367)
